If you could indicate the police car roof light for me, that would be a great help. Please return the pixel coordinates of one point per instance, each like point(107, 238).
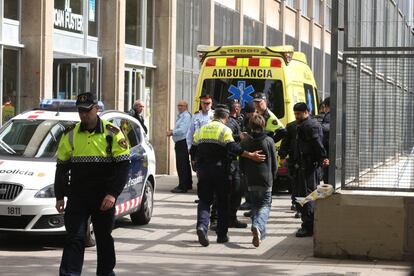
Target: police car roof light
point(63, 105)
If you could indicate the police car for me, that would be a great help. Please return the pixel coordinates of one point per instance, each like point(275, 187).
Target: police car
point(28, 148)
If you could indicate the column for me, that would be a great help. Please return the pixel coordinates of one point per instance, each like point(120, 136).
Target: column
point(112, 51)
point(164, 84)
point(37, 56)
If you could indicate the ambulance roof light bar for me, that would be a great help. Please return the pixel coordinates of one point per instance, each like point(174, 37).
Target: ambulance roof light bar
point(286, 51)
point(204, 49)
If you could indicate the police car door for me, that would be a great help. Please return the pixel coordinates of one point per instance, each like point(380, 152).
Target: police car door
point(138, 167)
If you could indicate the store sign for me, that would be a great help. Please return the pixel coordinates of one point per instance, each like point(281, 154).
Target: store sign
point(67, 20)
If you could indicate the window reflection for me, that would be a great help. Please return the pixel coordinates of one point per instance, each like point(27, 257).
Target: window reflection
point(133, 23)
point(11, 9)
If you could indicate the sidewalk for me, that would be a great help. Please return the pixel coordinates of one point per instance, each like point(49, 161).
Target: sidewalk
point(169, 246)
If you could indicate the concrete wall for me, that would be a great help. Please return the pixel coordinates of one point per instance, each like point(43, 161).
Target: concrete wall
point(364, 226)
point(37, 55)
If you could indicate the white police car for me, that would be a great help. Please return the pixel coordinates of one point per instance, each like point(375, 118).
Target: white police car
point(28, 145)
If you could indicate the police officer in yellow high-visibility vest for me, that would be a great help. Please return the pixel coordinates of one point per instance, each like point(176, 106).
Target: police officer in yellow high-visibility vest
point(96, 155)
point(211, 145)
point(274, 127)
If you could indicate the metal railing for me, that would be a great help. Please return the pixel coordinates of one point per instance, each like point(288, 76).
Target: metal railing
point(374, 103)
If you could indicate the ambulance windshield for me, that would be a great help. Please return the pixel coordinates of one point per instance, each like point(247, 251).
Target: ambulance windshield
point(223, 90)
point(31, 138)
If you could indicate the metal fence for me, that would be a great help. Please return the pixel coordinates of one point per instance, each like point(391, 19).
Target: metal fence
point(378, 122)
point(375, 112)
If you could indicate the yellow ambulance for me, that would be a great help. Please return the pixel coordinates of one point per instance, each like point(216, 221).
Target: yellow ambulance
point(237, 72)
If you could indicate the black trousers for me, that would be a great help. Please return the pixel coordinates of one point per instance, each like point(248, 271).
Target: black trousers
point(235, 193)
point(306, 180)
point(77, 213)
point(213, 185)
point(182, 163)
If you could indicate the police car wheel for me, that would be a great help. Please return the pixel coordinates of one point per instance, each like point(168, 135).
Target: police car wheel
point(144, 214)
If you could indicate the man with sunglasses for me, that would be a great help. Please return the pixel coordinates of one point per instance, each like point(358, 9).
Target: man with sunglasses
point(97, 156)
point(200, 118)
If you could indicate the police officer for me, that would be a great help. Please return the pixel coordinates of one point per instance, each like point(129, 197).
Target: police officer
point(286, 153)
point(96, 155)
point(273, 127)
point(236, 191)
point(200, 118)
point(212, 143)
point(308, 157)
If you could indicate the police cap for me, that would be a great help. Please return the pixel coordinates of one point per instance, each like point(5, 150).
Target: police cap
point(259, 96)
point(85, 101)
point(205, 97)
point(302, 107)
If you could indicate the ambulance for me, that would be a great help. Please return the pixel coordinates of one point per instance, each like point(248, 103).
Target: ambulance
point(237, 72)
point(28, 149)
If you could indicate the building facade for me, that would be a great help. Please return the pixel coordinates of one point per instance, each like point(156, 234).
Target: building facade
point(123, 50)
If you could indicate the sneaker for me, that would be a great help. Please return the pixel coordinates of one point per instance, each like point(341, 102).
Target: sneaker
point(237, 224)
point(256, 236)
point(302, 232)
point(245, 206)
point(293, 207)
point(222, 239)
point(178, 190)
point(247, 214)
point(297, 215)
point(213, 225)
point(202, 237)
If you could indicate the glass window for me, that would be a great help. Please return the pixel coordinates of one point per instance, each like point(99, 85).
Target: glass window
point(74, 10)
point(253, 32)
point(129, 129)
point(310, 98)
point(10, 77)
point(304, 7)
point(221, 90)
point(93, 8)
point(290, 3)
point(328, 14)
point(317, 11)
point(11, 9)
point(32, 138)
point(150, 23)
point(133, 23)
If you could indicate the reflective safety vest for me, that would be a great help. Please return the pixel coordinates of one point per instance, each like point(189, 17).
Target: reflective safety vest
point(106, 144)
point(213, 132)
point(272, 122)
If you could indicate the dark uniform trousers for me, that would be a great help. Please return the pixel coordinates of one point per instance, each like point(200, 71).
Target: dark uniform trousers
point(306, 180)
point(78, 210)
point(236, 193)
point(213, 182)
point(182, 163)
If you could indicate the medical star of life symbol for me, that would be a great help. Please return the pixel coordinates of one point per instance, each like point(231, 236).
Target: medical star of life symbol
point(241, 93)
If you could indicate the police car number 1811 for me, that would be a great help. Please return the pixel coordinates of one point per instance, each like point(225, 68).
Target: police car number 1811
point(10, 211)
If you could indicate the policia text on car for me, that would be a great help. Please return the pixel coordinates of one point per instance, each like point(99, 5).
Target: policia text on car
point(212, 143)
point(96, 155)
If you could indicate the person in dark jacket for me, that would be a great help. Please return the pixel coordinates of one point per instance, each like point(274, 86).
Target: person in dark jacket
point(248, 111)
point(286, 152)
point(137, 111)
point(308, 157)
point(259, 176)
